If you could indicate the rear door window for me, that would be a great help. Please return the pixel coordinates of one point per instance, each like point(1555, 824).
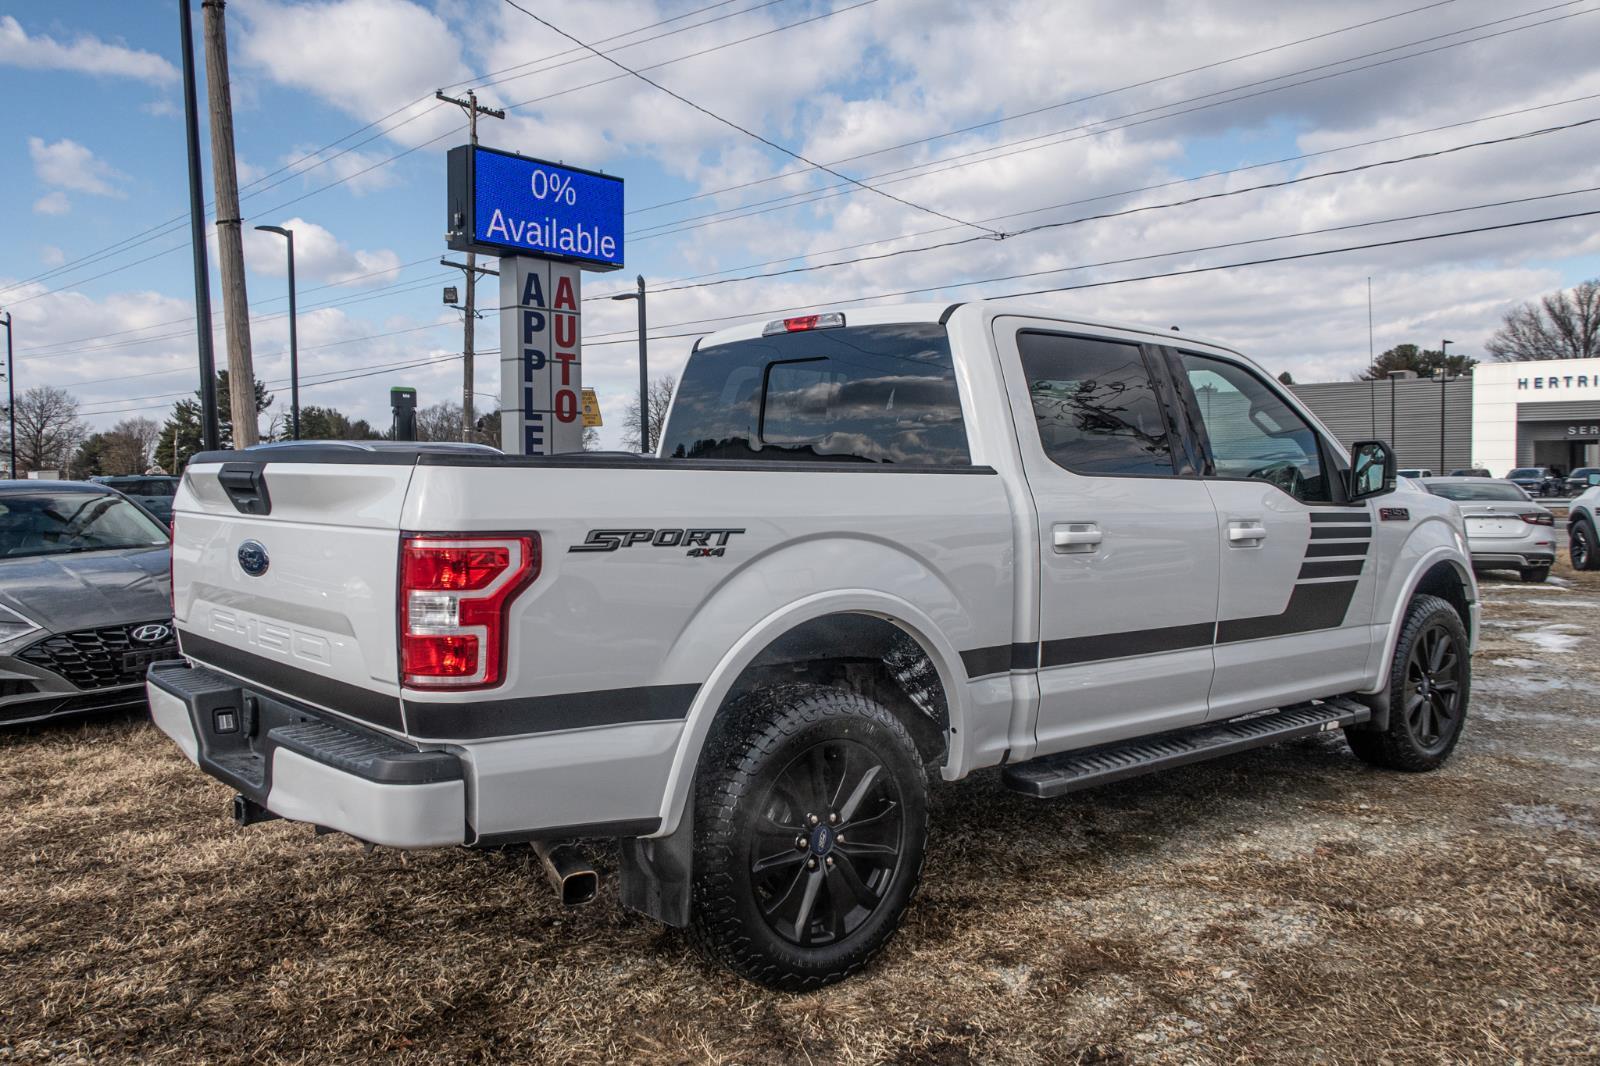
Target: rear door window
point(1095, 405)
point(860, 394)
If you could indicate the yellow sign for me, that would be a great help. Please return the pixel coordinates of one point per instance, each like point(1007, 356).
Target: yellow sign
point(591, 409)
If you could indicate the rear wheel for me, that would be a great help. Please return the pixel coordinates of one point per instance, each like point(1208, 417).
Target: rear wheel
point(1535, 575)
point(1430, 681)
point(811, 822)
point(1582, 545)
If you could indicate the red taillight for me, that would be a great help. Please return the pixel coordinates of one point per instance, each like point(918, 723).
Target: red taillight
point(1539, 518)
point(454, 592)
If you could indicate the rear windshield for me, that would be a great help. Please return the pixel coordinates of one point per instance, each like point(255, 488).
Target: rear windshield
point(1478, 490)
point(863, 394)
point(54, 523)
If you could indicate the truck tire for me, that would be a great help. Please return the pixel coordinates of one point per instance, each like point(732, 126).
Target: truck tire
point(811, 821)
point(1581, 545)
point(1430, 684)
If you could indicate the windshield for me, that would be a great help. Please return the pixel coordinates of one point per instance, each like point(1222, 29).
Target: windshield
point(1526, 471)
point(55, 523)
point(1478, 490)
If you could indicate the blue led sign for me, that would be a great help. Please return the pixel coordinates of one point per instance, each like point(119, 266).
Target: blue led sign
point(504, 204)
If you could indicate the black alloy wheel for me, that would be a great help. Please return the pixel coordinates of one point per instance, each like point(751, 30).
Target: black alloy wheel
point(1582, 545)
point(828, 843)
point(1420, 716)
point(810, 827)
point(1433, 689)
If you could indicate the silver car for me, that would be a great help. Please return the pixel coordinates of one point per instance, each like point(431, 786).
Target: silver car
point(1506, 530)
point(85, 599)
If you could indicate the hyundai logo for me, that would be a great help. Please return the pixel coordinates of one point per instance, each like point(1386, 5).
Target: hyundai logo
point(253, 558)
point(154, 633)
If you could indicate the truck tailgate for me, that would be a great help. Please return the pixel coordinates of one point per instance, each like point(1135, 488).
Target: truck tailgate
point(285, 574)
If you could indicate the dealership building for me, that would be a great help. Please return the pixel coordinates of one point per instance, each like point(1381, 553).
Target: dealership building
point(1501, 416)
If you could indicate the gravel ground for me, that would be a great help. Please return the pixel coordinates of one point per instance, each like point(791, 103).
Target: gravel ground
point(1288, 904)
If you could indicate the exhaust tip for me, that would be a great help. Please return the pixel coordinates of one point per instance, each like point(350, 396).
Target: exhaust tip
point(575, 881)
point(579, 888)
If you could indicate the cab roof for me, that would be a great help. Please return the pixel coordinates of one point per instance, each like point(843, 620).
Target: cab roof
point(941, 312)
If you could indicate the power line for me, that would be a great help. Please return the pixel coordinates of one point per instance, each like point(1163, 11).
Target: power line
point(746, 315)
point(1030, 144)
point(176, 224)
point(1142, 209)
point(1048, 107)
point(1125, 192)
point(753, 135)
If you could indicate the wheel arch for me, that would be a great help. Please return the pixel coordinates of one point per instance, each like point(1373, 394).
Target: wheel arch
point(1440, 572)
point(842, 627)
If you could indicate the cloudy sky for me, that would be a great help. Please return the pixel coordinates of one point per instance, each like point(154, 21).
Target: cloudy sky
point(1000, 116)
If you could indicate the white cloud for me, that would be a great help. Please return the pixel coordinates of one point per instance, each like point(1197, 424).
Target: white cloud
point(66, 164)
point(85, 55)
point(318, 256)
point(51, 256)
point(360, 172)
point(52, 203)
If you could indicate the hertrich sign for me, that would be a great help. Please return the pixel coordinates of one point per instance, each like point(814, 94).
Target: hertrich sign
point(505, 204)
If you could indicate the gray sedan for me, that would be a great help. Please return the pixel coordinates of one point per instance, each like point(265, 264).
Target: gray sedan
point(85, 599)
point(1506, 530)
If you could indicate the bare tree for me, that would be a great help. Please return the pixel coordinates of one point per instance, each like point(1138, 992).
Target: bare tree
point(131, 445)
point(1563, 325)
point(440, 421)
point(660, 402)
point(48, 429)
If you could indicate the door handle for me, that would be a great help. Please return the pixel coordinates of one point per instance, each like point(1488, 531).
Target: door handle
point(1246, 533)
point(1077, 537)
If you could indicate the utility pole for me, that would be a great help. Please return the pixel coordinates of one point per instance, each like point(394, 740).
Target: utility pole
point(473, 110)
point(230, 241)
point(11, 396)
point(197, 239)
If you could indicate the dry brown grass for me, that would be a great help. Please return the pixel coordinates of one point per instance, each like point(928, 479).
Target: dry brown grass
point(1287, 905)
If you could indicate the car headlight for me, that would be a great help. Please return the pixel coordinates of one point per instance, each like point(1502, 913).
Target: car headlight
point(14, 625)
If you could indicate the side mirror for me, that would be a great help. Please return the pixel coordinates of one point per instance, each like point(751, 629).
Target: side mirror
point(1372, 470)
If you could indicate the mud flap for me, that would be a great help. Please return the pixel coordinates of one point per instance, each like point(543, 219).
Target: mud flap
point(657, 873)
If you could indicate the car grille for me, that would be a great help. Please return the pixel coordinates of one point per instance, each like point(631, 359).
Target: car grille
point(100, 658)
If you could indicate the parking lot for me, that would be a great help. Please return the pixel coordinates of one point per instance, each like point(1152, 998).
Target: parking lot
point(1290, 903)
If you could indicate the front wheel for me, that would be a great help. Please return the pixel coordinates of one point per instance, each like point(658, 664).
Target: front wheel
point(1582, 545)
point(811, 820)
point(1430, 683)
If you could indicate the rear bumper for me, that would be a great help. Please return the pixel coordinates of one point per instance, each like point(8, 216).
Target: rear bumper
point(305, 765)
point(1513, 559)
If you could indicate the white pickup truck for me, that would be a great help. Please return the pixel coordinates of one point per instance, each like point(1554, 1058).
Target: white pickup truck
point(875, 548)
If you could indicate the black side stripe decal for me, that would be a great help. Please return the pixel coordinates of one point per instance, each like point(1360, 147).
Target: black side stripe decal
point(981, 662)
point(1324, 551)
point(1311, 607)
point(1120, 645)
point(1351, 517)
point(1336, 568)
point(1342, 533)
point(547, 714)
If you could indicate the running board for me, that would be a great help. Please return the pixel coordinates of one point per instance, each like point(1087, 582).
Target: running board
point(1069, 771)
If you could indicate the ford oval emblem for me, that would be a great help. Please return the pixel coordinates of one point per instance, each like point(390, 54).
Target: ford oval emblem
point(253, 558)
point(153, 633)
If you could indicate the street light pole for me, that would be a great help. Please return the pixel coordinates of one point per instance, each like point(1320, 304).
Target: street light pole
point(11, 395)
point(1444, 379)
point(210, 435)
point(644, 371)
point(294, 343)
